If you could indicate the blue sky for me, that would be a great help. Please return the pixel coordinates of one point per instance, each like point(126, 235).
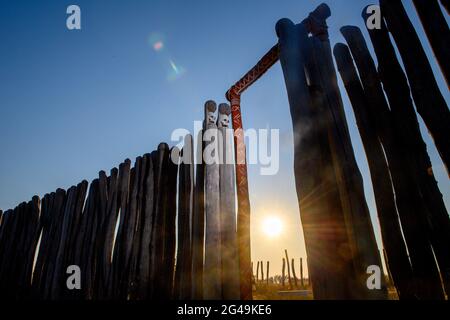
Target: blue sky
point(76, 102)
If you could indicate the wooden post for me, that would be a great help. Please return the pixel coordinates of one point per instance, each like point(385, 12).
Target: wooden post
point(257, 272)
point(243, 200)
point(288, 269)
point(283, 273)
point(159, 277)
point(198, 222)
point(405, 120)
point(146, 216)
point(212, 284)
point(262, 272)
point(301, 273)
point(253, 275)
point(437, 31)
point(293, 272)
point(125, 243)
point(409, 201)
point(183, 278)
point(428, 98)
point(32, 234)
point(131, 280)
point(317, 191)
point(364, 251)
point(229, 244)
point(170, 224)
point(181, 221)
point(54, 286)
point(384, 194)
point(267, 272)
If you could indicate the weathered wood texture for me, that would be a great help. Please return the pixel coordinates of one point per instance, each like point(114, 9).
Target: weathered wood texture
point(428, 98)
point(405, 120)
point(331, 195)
point(321, 214)
point(228, 228)
point(382, 185)
point(322, 75)
point(212, 284)
point(108, 231)
point(198, 222)
point(410, 204)
point(183, 276)
point(437, 31)
point(294, 276)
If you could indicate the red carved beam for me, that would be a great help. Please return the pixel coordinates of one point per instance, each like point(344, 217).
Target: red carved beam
point(316, 25)
point(243, 225)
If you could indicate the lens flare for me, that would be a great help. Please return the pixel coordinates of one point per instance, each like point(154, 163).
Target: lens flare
point(176, 71)
point(156, 40)
point(157, 46)
point(272, 226)
point(164, 56)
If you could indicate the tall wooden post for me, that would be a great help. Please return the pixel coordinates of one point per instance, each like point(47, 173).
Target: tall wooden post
point(283, 273)
point(409, 201)
point(307, 154)
point(321, 197)
point(243, 223)
point(404, 116)
point(262, 272)
point(160, 160)
point(147, 206)
point(257, 272)
point(301, 273)
point(382, 185)
point(198, 222)
point(229, 244)
point(267, 271)
point(182, 288)
point(293, 273)
point(437, 31)
point(212, 284)
point(364, 251)
point(170, 226)
point(288, 269)
point(428, 98)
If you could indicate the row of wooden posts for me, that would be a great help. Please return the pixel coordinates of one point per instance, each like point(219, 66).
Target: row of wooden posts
point(166, 228)
point(414, 222)
point(420, 264)
point(137, 233)
point(294, 281)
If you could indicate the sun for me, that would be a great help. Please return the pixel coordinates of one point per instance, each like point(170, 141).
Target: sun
point(272, 226)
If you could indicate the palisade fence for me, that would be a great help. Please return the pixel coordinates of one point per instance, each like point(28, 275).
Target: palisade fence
point(137, 233)
point(166, 229)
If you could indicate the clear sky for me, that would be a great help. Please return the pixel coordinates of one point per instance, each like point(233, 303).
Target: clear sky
point(76, 102)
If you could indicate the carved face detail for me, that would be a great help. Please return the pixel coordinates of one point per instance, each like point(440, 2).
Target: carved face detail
point(224, 121)
point(224, 116)
point(210, 113)
point(210, 118)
